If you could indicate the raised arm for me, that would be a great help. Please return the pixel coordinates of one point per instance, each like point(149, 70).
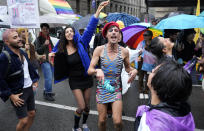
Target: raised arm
point(100, 7)
point(88, 33)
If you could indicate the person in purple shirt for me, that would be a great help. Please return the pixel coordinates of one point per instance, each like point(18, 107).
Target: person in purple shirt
point(170, 86)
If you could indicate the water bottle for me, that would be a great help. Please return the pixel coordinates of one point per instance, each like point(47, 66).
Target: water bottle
point(108, 86)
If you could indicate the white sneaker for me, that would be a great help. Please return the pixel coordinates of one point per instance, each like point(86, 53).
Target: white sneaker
point(136, 78)
point(141, 96)
point(85, 127)
point(146, 96)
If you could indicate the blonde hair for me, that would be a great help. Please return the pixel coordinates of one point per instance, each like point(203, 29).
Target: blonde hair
point(19, 30)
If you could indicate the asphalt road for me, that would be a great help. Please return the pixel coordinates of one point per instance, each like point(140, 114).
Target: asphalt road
point(59, 115)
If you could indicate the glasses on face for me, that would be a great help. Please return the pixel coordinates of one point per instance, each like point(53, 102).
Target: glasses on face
point(111, 30)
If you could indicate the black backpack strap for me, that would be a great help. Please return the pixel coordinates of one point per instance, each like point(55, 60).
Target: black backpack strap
point(1, 46)
point(9, 61)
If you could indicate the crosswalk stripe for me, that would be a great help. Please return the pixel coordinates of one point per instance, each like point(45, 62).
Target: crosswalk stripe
point(127, 118)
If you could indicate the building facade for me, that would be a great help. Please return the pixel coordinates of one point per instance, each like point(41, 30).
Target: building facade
point(162, 7)
point(133, 7)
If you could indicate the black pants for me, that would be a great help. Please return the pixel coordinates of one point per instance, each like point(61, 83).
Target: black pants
point(143, 88)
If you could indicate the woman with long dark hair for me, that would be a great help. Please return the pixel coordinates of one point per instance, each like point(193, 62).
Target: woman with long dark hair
point(72, 60)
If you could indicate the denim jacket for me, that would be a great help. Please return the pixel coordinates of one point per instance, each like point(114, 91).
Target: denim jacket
point(13, 84)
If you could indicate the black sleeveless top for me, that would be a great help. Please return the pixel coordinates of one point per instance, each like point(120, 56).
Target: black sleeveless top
point(76, 73)
point(75, 65)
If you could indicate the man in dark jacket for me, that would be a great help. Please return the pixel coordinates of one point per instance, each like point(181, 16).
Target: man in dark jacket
point(99, 40)
point(44, 47)
point(17, 79)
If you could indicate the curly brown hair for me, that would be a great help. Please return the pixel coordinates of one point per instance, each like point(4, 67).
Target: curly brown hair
point(63, 41)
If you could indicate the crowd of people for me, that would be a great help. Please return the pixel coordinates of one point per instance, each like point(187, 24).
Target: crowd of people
point(159, 62)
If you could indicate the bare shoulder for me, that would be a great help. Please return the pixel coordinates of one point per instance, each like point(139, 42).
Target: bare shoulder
point(99, 50)
point(124, 51)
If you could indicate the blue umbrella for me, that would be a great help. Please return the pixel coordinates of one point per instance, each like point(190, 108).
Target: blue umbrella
point(202, 14)
point(182, 21)
point(142, 24)
point(125, 18)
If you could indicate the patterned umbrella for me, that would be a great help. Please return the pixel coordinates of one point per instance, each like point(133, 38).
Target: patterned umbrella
point(102, 15)
point(125, 18)
point(133, 35)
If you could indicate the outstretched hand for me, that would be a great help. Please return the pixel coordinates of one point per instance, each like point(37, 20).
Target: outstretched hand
point(100, 7)
point(132, 75)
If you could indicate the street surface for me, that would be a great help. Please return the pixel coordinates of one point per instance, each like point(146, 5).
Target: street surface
point(59, 115)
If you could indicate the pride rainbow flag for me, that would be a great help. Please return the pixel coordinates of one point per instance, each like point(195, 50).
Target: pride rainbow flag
point(61, 6)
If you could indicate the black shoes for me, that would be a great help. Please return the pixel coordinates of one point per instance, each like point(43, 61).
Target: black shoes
point(49, 96)
point(53, 94)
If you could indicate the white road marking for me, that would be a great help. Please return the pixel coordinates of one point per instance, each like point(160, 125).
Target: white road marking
point(197, 85)
point(127, 118)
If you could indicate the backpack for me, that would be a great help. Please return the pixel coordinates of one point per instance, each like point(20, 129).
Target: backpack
point(1, 46)
point(9, 62)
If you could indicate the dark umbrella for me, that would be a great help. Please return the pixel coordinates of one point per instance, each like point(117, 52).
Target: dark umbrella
point(171, 14)
point(83, 22)
point(125, 18)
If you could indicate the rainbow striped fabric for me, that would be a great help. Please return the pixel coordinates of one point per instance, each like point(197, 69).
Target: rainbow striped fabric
point(61, 6)
point(112, 71)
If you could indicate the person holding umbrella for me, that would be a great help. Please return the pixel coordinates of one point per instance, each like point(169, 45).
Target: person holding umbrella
point(72, 60)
